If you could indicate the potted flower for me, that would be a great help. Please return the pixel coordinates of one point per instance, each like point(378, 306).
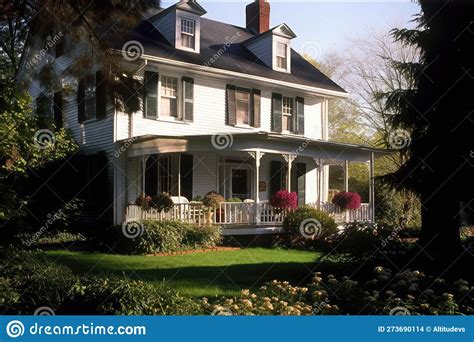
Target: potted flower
point(144, 202)
point(162, 202)
point(347, 200)
point(211, 202)
point(284, 200)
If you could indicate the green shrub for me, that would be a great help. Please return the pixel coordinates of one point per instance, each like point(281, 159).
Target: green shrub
point(234, 200)
point(165, 236)
point(38, 280)
point(8, 295)
point(361, 240)
point(306, 226)
point(401, 209)
point(115, 296)
point(202, 237)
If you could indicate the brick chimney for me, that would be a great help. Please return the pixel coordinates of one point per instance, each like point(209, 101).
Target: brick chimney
point(258, 16)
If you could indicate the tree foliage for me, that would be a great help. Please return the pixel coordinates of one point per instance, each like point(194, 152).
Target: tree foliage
point(438, 113)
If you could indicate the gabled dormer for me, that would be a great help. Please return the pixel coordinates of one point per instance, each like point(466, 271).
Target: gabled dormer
point(273, 47)
point(180, 24)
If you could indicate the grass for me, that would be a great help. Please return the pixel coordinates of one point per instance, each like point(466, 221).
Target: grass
point(202, 274)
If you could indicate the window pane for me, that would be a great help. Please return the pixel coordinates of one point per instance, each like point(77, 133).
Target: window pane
point(187, 41)
point(188, 33)
point(281, 55)
point(281, 50)
point(187, 26)
point(168, 94)
point(287, 123)
point(242, 107)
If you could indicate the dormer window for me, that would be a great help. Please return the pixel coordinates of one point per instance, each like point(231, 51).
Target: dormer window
point(188, 33)
point(281, 55)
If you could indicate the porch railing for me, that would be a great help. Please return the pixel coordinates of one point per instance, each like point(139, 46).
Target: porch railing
point(241, 213)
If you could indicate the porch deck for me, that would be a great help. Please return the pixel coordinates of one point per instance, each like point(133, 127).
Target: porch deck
point(240, 217)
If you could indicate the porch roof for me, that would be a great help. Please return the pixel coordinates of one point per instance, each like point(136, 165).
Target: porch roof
point(329, 152)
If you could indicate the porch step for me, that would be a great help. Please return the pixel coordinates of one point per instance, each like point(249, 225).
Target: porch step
point(257, 230)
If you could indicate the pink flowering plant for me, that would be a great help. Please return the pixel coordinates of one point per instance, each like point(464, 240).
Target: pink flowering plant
point(284, 200)
point(347, 200)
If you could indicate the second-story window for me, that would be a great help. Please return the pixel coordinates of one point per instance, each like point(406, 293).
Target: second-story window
point(169, 96)
point(242, 104)
point(90, 97)
point(287, 114)
point(188, 33)
point(281, 55)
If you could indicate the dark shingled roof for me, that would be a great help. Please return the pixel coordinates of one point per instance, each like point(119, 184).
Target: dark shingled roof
point(238, 58)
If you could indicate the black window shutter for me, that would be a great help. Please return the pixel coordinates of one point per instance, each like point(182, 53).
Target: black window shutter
point(277, 112)
point(100, 95)
point(58, 109)
point(81, 105)
point(188, 99)
point(299, 115)
point(256, 105)
point(187, 176)
point(231, 115)
point(298, 182)
point(150, 95)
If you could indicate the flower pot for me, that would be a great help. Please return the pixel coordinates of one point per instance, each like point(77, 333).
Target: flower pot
point(208, 216)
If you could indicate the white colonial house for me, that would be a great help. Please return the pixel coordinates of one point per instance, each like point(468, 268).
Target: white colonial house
point(229, 109)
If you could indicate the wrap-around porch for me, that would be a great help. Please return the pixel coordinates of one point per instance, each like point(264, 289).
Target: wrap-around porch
point(246, 169)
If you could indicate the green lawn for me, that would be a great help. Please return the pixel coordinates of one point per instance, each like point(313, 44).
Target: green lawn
point(201, 274)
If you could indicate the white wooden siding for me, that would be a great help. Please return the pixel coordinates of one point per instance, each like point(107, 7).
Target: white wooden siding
point(210, 112)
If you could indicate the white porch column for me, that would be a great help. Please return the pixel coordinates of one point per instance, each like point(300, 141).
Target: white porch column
point(179, 177)
point(346, 175)
point(144, 159)
point(289, 158)
point(372, 186)
point(257, 155)
point(320, 181)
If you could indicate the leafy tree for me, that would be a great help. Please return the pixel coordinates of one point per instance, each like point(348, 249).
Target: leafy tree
point(24, 151)
point(439, 164)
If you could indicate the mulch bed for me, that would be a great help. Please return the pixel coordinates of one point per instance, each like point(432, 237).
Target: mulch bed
point(196, 251)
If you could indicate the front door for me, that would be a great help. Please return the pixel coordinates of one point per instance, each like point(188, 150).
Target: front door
point(240, 184)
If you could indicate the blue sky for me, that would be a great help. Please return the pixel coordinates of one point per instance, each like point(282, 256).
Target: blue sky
point(321, 26)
